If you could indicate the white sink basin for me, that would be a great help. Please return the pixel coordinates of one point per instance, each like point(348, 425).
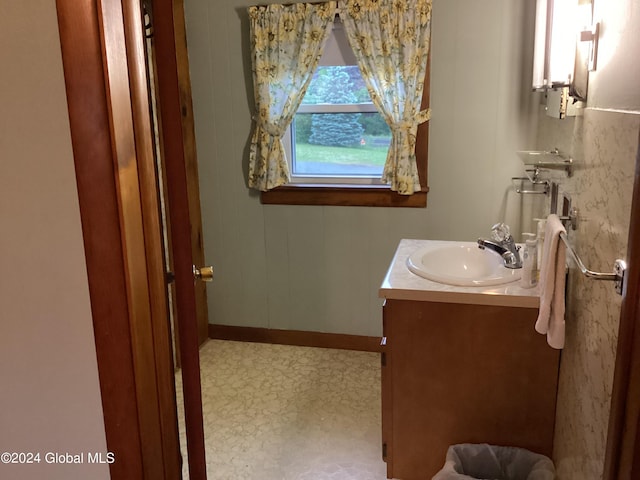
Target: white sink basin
point(462, 264)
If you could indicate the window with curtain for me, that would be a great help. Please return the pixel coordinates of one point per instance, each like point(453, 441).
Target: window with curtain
point(355, 132)
point(337, 135)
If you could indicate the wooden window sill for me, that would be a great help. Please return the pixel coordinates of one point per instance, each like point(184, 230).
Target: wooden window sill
point(342, 195)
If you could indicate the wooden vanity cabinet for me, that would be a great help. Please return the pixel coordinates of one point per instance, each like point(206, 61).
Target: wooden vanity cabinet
point(456, 373)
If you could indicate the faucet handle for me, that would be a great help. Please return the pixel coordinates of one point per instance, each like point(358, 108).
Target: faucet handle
point(500, 232)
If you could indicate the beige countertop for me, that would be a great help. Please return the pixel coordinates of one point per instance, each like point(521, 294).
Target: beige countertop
point(401, 284)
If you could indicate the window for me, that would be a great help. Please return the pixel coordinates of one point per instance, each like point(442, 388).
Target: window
point(337, 144)
point(337, 135)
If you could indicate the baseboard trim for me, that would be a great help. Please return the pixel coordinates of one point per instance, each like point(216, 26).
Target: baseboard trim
point(295, 337)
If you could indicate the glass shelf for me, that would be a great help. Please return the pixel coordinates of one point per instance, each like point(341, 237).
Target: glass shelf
point(553, 160)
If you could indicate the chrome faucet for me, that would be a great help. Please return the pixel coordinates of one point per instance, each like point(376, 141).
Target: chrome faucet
point(503, 244)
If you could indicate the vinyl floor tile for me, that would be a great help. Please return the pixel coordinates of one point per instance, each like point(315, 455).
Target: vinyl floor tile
point(276, 412)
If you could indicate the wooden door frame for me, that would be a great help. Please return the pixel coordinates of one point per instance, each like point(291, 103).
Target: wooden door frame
point(106, 86)
point(622, 455)
point(104, 148)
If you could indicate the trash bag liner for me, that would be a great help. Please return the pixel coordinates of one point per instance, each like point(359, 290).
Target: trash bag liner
point(469, 461)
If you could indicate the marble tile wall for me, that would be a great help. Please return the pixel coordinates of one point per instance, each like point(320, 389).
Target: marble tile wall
point(603, 144)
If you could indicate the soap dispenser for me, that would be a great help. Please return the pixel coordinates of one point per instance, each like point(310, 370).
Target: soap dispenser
point(529, 277)
point(541, 226)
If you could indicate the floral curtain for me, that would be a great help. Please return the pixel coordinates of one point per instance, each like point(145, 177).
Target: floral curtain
point(286, 45)
point(390, 39)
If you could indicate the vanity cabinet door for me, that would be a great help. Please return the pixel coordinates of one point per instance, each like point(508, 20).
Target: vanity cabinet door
point(460, 373)
point(387, 397)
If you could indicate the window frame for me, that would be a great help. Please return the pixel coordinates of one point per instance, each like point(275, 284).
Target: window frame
point(364, 194)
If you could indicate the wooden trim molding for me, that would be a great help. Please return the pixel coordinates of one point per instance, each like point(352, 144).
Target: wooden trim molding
point(95, 151)
point(116, 54)
point(106, 86)
point(352, 196)
point(153, 240)
point(295, 337)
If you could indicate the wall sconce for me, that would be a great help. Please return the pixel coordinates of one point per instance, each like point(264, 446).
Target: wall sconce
point(559, 59)
point(586, 52)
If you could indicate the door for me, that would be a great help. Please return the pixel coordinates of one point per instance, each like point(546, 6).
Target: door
point(193, 189)
point(176, 122)
point(177, 39)
point(107, 94)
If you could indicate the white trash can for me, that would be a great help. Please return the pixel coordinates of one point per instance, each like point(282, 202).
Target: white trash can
point(468, 461)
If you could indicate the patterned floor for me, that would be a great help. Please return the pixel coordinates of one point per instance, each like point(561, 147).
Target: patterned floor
point(274, 412)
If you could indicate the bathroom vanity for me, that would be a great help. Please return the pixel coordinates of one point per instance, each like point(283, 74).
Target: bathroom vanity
point(460, 365)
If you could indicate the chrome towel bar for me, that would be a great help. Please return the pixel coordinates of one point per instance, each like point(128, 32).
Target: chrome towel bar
point(619, 268)
point(521, 190)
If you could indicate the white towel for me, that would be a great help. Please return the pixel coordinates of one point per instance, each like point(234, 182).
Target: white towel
point(552, 281)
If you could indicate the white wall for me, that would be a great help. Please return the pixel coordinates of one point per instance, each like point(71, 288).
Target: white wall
point(49, 395)
point(614, 84)
point(319, 268)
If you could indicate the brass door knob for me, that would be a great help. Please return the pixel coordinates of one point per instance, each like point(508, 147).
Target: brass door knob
point(204, 274)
